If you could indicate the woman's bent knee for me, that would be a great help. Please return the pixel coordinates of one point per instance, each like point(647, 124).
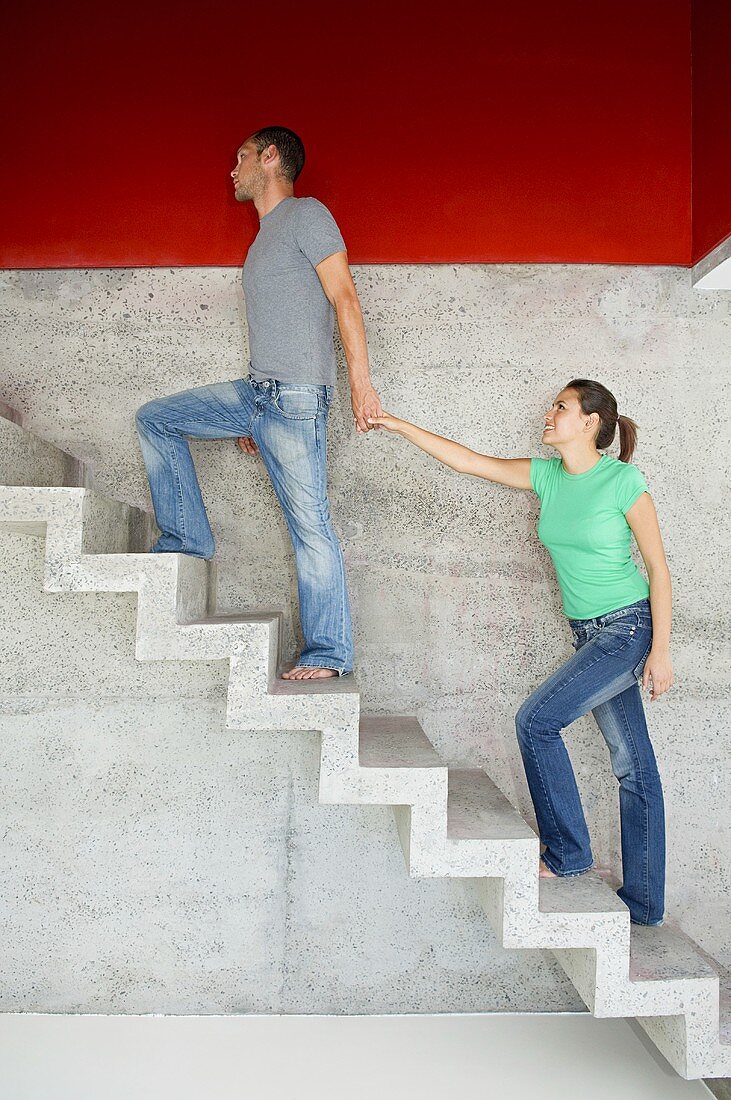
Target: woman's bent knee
point(522, 721)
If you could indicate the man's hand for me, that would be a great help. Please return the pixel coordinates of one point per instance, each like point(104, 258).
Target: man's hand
point(365, 402)
point(247, 445)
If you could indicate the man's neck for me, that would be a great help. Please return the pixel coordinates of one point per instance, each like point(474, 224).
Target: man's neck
point(272, 197)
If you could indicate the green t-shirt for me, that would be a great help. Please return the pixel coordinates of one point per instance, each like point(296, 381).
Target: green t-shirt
point(583, 527)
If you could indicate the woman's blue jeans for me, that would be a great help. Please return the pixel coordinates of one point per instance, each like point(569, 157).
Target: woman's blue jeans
point(601, 677)
point(289, 425)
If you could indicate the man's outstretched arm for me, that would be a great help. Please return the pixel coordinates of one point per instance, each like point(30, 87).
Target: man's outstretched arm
point(337, 282)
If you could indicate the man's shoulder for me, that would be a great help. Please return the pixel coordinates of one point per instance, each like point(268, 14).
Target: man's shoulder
point(309, 205)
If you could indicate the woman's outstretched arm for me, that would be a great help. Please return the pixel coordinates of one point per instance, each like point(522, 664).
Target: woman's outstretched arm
point(514, 472)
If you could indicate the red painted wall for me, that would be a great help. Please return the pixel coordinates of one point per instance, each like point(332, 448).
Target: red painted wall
point(475, 131)
point(711, 125)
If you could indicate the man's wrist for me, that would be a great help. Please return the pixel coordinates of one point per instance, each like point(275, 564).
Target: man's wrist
point(360, 382)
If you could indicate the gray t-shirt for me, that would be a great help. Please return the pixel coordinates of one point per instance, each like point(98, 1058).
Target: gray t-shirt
point(290, 319)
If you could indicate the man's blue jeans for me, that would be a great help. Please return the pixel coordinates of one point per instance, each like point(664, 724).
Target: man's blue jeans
point(601, 677)
point(289, 425)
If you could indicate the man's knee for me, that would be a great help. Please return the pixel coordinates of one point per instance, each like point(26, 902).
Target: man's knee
point(147, 415)
point(312, 521)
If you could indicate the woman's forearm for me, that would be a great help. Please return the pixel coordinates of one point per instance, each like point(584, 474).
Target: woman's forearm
point(445, 450)
point(661, 604)
point(514, 472)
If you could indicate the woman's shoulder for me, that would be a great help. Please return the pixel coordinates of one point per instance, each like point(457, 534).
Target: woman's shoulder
point(628, 480)
point(542, 472)
point(546, 463)
point(623, 471)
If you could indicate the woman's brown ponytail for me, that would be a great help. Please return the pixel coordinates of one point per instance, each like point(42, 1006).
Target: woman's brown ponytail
point(627, 438)
point(596, 398)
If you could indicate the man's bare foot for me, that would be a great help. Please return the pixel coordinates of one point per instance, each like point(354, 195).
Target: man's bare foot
point(302, 672)
point(545, 872)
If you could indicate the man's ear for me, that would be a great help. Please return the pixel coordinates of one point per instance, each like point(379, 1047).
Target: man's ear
point(270, 155)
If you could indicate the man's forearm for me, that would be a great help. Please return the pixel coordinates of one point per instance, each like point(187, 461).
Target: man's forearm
point(353, 336)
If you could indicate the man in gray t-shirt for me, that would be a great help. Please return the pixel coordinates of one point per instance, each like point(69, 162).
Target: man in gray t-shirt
point(289, 315)
point(296, 282)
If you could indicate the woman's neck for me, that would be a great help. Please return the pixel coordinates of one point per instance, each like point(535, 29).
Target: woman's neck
point(579, 461)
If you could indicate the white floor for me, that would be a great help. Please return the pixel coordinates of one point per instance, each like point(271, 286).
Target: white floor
point(349, 1058)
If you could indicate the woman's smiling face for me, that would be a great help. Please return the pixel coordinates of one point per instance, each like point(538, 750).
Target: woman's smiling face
point(565, 422)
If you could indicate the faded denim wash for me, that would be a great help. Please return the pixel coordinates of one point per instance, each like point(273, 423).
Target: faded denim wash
point(289, 425)
point(601, 677)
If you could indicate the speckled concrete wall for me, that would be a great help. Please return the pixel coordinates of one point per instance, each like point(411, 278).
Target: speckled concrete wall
point(455, 603)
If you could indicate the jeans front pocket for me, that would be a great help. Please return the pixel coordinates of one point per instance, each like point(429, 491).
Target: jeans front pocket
point(297, 403)
point(617, 634)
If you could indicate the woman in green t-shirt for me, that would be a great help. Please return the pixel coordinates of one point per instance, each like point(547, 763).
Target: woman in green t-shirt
point(591, 506)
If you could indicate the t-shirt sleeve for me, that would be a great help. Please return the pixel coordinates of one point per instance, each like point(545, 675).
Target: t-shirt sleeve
point(316, 231)
point(539, 468)
point(630, 486)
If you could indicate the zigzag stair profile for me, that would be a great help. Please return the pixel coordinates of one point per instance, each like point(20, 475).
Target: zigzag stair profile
point(453, 823)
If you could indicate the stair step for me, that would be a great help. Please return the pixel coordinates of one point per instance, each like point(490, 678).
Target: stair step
point(331, 685)
point(587, 893)
point(661, 954)
point(395, 741)
point(478, 810)
point(235, 617)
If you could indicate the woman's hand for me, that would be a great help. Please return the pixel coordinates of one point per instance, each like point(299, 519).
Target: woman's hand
point(659, 669)
point(390, 423)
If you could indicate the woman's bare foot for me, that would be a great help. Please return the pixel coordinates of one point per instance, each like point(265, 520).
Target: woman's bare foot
point(302, 672)
point(545, 872)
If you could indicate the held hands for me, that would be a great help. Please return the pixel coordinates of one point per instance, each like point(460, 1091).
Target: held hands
point(387, 421)
point(659, 669)
point(366, 404)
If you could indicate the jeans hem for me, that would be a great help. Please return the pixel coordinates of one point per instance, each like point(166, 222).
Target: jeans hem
point(189, 553)
point(647, 923)
point(566, 874)
point(323, 664)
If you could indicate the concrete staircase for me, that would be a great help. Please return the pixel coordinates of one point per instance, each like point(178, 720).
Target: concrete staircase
point(453, 823)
